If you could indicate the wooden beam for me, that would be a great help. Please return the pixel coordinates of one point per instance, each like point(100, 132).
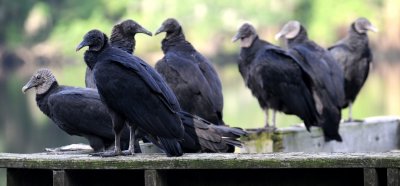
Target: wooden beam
point(154, 178)
point(370, 177)
point(393, 177)
point(201, 161)
point(60, 178)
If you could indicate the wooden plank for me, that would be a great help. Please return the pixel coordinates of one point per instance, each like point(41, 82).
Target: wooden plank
point(154, 178)
point(393, 177)
point(12, 178)
point(370, 177)
point(60, 178)
point(202, 161)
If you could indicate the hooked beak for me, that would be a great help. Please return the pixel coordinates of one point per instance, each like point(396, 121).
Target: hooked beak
point(236, 37)
point(144, 31)
point(81, 45)
point(279, 35)
point(161, 29)
point(27, 86)
point(372, 28)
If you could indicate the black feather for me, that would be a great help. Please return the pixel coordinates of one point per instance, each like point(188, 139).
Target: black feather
point(190, 75)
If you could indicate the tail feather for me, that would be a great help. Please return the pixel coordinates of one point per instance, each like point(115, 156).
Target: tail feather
point(330, 124)
point(171, 147)
point(226, 131)
point(233, 142)
point(210, 137)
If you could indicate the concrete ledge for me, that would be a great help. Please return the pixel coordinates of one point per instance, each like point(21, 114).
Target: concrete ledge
point(375, 134)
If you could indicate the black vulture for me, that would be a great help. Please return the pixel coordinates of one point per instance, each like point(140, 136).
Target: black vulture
point(274, 77)
point(122, 37)
point(354, 56)
point(325, 73)
point(77, 111)
point(190, 75)
point(198, 137)
point(134, 92)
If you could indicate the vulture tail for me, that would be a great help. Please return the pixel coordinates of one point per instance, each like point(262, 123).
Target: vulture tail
point(171, 147)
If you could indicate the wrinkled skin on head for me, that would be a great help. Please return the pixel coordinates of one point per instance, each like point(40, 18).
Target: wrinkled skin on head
point(247, 33)
point(41, 81)
point(170, 25)
point(362, 25)
point(94, 39)
point(290, 30)
point(129, 28)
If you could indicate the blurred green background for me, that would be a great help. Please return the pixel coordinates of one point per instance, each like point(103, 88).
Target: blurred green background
point(37, 34)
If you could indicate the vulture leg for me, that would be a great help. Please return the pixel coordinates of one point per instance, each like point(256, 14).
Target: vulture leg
point(273, 119)
point(132, 141)
point(350, 112)
point(266, 118)
point(118, 125)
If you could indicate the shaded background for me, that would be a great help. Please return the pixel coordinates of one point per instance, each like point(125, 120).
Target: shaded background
point(35, 34)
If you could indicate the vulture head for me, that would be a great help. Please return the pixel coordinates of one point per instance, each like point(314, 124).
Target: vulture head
point(362, 26)
point(289, 31)
point(246, 34)
point(94, 39)
point(41, 81)
point(170, 25)
point(129, 28)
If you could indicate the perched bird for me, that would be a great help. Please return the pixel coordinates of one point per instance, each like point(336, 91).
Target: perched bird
point(77, 111)
point(190, 75)
point(326, 76)
point(133, 93)
point(198, 136)
point(274, 77)
point(122, 37)
point(354, 56)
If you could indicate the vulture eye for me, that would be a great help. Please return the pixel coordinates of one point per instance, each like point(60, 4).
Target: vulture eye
point(38, 77)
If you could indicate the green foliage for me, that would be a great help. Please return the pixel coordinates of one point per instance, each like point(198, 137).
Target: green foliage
point(328, 15)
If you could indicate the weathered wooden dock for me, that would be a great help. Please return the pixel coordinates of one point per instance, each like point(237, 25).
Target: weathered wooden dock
point(204, 169)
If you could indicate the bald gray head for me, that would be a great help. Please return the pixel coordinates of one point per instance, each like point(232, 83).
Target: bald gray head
point(362, 26)
point(246, 33)
point(41, 81)
point(289, 31)
point(129, 28)
point(169, 26)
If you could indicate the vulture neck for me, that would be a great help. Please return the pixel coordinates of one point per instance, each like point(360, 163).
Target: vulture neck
point(248, 54)
point(90, 56)
point(176, 39)
point(42, 98)
point(300, 38)
point(122, 42)
point(355, 39)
